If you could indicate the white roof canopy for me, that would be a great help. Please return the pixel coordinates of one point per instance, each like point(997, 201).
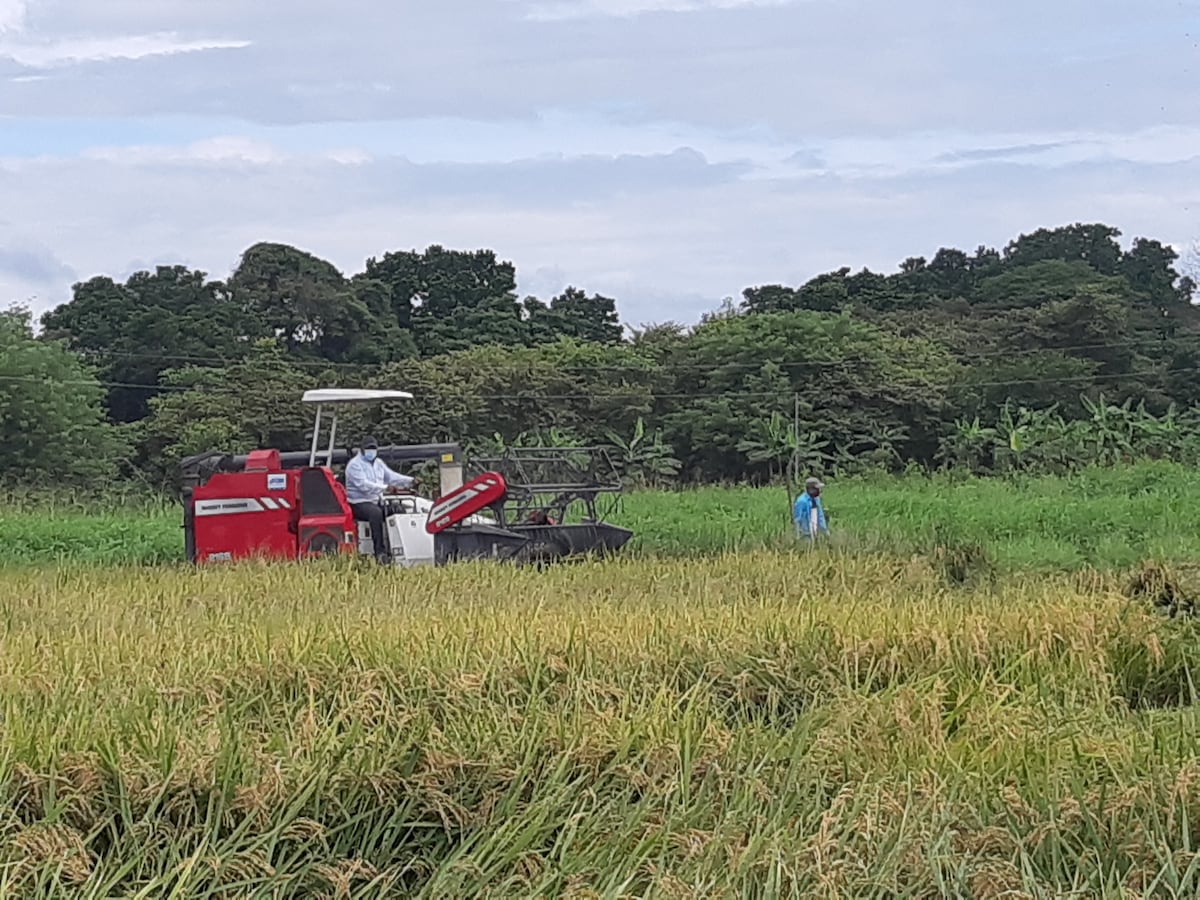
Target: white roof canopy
point(352, 395)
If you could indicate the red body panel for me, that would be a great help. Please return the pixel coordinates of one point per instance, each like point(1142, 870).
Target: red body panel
point(264, 461)
point(260, 513)
point(478, 493)
point(321, 531)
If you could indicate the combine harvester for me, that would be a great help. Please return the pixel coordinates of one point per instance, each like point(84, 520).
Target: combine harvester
point(292, 505)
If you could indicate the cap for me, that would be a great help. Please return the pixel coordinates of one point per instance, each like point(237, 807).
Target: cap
point(370, 444)
point(814, 482)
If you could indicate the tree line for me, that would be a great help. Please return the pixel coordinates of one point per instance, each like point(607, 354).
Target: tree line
point(1062, 348)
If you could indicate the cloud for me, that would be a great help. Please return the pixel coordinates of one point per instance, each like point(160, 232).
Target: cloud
point(866, 68)
point(49, 54)
point(669, 235)
point(666, 152)
point(211, 150)
point(33, 265)
point(887, 157)
point(561, 10)
point(30, 48)
point(985, 154)
point(12, 15)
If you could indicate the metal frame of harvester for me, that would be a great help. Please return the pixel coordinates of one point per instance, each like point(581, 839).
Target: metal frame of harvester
point(517, 505)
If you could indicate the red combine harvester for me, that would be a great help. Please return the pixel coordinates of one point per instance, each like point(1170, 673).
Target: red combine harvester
point(292, 505)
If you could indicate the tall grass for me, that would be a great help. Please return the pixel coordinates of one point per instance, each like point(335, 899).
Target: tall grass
point(760, 724)
point(1103, 517)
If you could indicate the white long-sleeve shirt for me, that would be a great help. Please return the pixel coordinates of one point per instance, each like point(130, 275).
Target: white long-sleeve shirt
point(366, 481)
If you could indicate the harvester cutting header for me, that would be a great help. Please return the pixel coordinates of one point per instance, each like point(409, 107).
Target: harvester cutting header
point(292, 504)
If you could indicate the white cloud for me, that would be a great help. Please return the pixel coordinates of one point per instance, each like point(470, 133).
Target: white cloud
point(212, 150)
point(905, 154)
point(12, 15)
point(30, 47)
point(48, 54)
point(668, 160)
point(668, 236)
point(349, 156)
point(761, 155)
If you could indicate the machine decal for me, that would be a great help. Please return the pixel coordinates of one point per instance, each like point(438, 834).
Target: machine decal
point(235, 505)
point(277, 482)
point(228, 507)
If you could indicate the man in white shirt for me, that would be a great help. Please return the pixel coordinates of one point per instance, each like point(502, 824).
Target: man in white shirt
point(367, 479)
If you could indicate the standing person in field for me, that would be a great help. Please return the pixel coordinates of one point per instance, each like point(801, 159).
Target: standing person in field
point(367, 478)
point(809, 512)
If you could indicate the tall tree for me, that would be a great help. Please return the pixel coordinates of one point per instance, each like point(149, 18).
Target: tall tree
point(855, 383)
point(53, 429)
point(154, 321)
point(313, 310)
point(452, 299)
point(573, 314)
point(251, 404)
point(1149, 267)
point(1094, 244)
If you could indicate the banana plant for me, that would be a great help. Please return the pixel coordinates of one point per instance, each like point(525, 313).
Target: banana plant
point(644, 461)
point(771, 441)
point(881, 448)
point(968, 447)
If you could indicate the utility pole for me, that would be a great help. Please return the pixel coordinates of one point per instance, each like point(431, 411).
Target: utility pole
point(793, 479)
point(796, 436)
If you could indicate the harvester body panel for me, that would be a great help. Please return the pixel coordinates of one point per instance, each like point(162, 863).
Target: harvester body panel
point(244, 515)
point(270, 515)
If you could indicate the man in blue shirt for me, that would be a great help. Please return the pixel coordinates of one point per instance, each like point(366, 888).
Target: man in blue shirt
point(367, 479)
point(809, 512)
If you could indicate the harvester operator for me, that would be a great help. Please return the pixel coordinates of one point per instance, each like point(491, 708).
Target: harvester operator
point(368, 478)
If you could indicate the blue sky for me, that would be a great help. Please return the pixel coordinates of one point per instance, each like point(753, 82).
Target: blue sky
point(666, 152)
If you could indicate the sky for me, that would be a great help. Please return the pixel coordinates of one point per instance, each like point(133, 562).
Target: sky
point(668, 153)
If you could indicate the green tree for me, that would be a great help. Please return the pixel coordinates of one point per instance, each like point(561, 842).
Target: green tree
point(452, 299)
point(1149, 267)
point(575, 386)
point(1094, 244)
point(154, 321)
point(313, 310)
point(854, 382)
point(53, 430)
point(573, 314)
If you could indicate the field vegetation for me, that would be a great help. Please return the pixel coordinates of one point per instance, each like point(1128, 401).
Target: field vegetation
point(757, 724)
point(1100, 517)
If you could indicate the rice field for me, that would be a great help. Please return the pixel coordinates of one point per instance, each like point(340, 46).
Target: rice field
point(756, 724)
point(960, 696)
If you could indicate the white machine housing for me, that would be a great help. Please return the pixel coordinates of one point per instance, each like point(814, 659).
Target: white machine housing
point(410, 544)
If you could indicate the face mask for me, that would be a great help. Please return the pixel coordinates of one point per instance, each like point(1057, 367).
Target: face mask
point(370, 455)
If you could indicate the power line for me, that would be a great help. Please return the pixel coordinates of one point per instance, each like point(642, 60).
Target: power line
point(646, 394)
point(634, 369)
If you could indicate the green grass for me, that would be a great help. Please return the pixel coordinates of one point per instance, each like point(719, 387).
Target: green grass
point(1101, 518)
point(754, 724)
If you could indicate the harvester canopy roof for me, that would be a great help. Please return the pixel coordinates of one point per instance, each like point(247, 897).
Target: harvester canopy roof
point(352, 395)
